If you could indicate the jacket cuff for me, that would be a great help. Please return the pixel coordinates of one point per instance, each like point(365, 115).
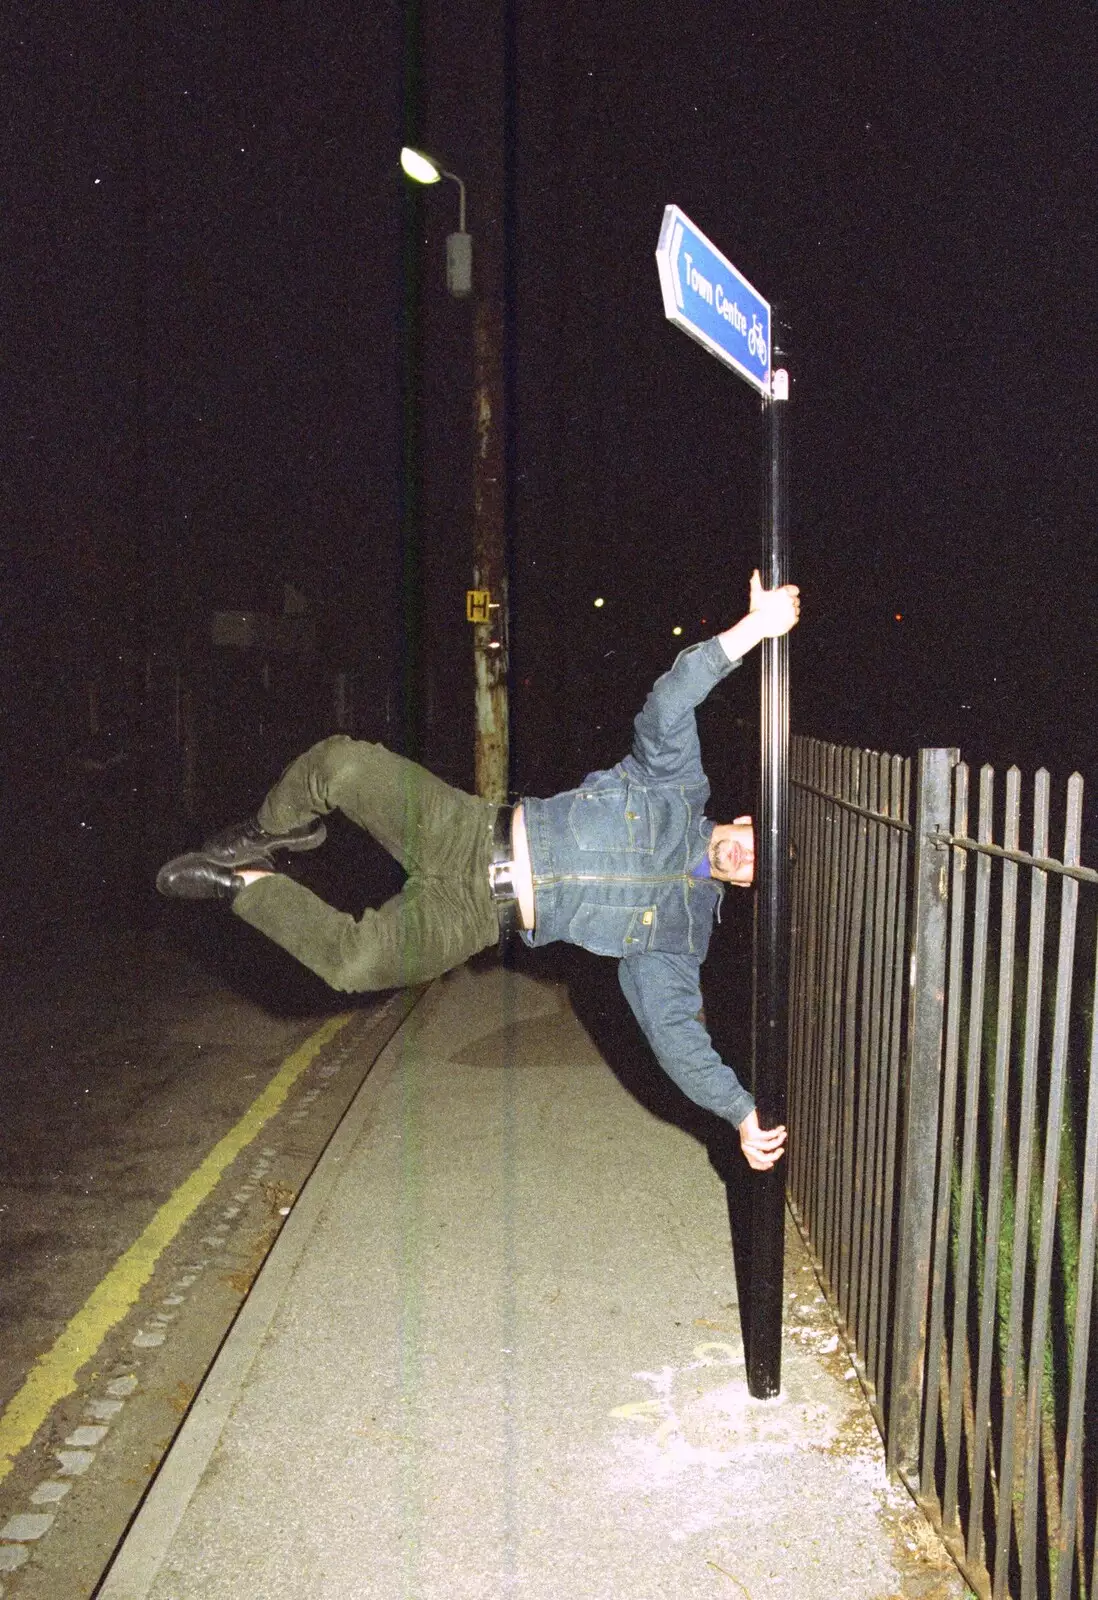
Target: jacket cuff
point(715, 658)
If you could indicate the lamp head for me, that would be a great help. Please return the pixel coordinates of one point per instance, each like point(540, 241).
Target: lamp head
point(418, 166)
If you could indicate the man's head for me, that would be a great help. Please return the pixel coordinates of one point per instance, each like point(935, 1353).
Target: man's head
point(732, 852)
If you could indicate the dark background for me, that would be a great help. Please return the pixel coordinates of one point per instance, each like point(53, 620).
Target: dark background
point(225, 316)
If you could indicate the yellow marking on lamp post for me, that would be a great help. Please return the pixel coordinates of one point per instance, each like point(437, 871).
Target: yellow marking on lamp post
point(478, 605)
point(53, 1375)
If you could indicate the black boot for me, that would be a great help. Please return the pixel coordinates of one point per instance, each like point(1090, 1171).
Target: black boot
point(198, 877)
point(246, 844)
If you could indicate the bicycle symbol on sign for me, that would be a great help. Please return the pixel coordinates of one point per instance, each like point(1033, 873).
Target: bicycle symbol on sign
point(756, 340)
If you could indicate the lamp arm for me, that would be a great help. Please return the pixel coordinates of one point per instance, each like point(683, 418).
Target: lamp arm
point(461, 196)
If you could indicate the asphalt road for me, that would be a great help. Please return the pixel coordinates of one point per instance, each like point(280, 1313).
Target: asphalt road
point(169, 1081)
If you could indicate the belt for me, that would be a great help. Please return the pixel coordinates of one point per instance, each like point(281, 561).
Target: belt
point(501, 871)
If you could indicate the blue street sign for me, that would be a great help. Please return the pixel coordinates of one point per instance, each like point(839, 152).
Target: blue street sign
point(707, 298)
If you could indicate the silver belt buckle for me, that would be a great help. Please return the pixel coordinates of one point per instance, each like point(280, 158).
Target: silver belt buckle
point(501, 880)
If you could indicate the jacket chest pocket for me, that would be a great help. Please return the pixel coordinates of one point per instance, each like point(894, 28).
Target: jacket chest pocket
point(613, 930)
point(617, 818)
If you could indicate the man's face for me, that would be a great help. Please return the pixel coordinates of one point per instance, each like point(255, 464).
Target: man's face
point(732, 852)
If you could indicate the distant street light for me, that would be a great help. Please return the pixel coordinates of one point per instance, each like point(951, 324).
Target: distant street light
point(422, 168)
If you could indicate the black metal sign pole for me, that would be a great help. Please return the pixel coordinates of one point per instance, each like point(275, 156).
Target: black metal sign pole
point(764, 1310)
point(705, 296)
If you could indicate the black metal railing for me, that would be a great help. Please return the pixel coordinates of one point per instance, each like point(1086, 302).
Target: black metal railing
point(944, 1140)
point(851, 837)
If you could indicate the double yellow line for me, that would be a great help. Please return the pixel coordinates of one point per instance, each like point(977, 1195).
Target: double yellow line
point(53, 1375)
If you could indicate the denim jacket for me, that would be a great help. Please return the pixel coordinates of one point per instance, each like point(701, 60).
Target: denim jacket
point(613, 862)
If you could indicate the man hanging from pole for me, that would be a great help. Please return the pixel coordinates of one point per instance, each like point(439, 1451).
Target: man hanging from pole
point(628, 865)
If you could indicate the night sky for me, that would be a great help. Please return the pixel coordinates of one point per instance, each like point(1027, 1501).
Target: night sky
point(207, 315)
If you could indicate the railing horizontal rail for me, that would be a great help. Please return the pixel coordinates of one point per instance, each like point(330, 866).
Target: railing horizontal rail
point(849, 805)
point(1059, 869)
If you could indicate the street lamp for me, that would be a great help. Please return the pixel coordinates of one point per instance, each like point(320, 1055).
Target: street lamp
point(422, 168)
point(486, 602)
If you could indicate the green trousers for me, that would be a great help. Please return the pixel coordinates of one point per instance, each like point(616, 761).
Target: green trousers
point(443, 915)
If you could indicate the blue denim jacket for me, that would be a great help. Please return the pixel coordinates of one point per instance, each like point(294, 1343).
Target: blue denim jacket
point(613, 863)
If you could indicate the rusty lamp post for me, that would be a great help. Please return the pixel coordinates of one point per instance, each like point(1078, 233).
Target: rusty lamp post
point(486, 602)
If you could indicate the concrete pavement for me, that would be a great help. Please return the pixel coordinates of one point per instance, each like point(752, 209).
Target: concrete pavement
point(495, 1351)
